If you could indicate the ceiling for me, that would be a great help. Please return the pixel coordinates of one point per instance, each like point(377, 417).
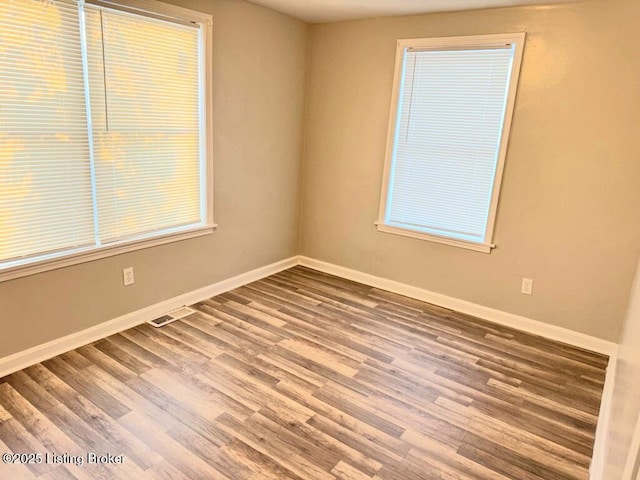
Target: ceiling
point(320, 11)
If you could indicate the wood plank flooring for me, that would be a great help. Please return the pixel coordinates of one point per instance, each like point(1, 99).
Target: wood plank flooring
point(307, 376)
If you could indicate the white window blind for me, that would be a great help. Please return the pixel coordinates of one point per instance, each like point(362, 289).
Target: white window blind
point(447, 140)
point(102, 128)
point(45, 187)
point(143, 79)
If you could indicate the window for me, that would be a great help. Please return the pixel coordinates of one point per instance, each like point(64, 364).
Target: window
point(104, 130)
point(451, 111)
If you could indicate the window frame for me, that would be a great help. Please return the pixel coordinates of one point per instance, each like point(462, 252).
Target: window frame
point(163, 11)
point(442, 43)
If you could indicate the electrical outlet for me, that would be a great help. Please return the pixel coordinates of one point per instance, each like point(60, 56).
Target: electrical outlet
point(127, 276)
point(527, 286)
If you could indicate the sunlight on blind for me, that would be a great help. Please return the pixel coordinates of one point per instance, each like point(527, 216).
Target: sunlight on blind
point(143, 78)
point(45, 199)
point(450, 120)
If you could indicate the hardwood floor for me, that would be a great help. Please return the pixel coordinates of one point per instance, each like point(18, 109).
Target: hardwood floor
point(307, 376)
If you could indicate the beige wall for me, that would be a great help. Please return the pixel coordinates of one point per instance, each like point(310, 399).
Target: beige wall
point(568, 213)
point(567, 216)
point(259, 62)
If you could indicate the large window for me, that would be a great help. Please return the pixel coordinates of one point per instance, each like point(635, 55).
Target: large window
point(451, 112)
point(104, 129)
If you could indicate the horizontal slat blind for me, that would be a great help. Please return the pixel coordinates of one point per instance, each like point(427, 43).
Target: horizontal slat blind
point(45, 199)
point(449, 125)
point(143, 78)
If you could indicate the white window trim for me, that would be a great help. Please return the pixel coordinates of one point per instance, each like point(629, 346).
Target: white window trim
point(87, 254)
point(439, 43)
point(67, 258)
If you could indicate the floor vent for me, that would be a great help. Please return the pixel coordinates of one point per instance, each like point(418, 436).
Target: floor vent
point(171, 317)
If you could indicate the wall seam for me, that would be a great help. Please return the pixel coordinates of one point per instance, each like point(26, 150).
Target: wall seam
point(305, 135)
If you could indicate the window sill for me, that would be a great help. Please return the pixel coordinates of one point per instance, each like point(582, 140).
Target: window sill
point(478, 247)
point(88, 254)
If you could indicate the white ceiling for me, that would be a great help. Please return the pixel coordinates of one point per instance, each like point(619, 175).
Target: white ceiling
point(319, 11)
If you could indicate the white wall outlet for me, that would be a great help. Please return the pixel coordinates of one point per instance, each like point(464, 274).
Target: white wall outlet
point(527, 286)
point(127, 276)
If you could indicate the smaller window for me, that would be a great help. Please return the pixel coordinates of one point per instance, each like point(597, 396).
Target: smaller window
point(451, 111)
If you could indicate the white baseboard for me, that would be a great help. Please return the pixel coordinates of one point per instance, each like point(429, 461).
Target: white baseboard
point(500, 317)
point(45, 351)
point(596, 469)
point(39, 353)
